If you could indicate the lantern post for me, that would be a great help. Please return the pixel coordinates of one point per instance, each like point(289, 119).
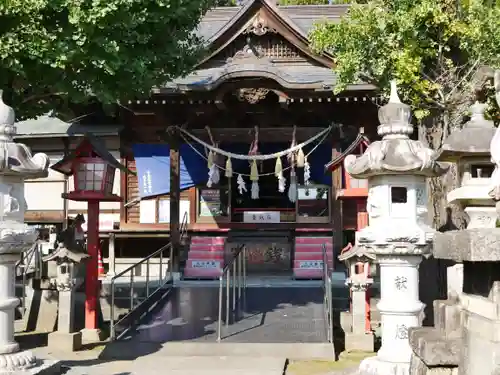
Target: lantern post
point(93, 170)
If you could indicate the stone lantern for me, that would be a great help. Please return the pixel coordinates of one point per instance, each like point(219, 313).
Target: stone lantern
point(465, 338)
point(396, 168)
point(93, 169)
point(359, 335)
point(70, 252)
point(469, 148)
point(16, 165)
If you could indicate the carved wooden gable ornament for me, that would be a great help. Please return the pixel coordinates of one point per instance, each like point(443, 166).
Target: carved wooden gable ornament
point(262, 19)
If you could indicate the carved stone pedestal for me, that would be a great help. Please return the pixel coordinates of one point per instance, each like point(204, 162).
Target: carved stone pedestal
point(400, 309)
point(64, 339)
point(358, 337)
point(68, 256)
point(398, 235)
point(16, 165)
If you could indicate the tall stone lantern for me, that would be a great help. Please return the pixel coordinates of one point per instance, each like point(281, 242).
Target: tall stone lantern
point(396, 168)
point(16, 165)
point(469, 148)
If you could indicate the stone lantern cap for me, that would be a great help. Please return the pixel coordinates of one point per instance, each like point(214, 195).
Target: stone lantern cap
point(97, 147)
point(63, 254)
point(396, 153)
point(472, 140)
point(16, 158)
point(356, 253)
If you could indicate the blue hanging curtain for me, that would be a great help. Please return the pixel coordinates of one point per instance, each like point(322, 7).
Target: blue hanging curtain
point(152, 162)
point(317, 160)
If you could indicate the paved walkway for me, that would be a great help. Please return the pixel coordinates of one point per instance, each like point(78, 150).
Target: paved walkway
point(87, 363)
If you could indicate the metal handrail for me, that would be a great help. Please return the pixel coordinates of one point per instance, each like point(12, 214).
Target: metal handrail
point(161, 281)
point(327, 299)
point(24, 263)
point(238, 265)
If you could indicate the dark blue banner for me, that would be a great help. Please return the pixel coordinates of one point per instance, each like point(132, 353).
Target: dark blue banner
point(152, 162)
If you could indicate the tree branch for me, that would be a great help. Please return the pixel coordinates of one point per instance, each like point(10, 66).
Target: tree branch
point(466, 76)
point(43, 96)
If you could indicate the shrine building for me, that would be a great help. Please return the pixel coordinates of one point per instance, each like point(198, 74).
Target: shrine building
point(246, 149)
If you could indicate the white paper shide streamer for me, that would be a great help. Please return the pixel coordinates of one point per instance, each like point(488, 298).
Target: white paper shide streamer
point(307, 171)
point(241, 184)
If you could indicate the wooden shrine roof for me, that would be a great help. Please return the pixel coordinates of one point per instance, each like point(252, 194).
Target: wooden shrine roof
point(302, 17)
point(225, 28)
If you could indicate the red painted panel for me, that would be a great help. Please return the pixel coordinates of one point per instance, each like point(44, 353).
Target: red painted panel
point(312, 256)
point(193, 255)
point(205, 257)
point(207, 247)
point(208, 240)
point(312, 248)
point(362, 220)
point(313, 240)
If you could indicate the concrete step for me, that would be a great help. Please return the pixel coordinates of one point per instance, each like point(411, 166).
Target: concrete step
point(185, 365)
point(131, 350)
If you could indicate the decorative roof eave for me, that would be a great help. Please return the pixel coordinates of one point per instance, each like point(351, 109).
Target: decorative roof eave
point(396, 153)
point(468, 142)
point(64, 165)
point(357, 251)
point(48, 126)
point(394, 156)
point(361, 139)
point(317, 86)
point(238, 23)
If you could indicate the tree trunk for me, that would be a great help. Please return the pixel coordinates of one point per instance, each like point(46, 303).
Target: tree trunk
point(433, 131)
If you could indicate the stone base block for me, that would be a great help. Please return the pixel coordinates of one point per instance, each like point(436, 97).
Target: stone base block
point(434, 348)
point(44, 367)
point(65, 341)
point(375, 366)
point(25, 363)
point(359, 342)
point(418, 367)
point(346, 321)
point(447, 316)
point(92, 336)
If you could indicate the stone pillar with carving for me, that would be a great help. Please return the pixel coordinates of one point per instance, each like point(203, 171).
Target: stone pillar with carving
point(68, 256)
point(466, 322)
point(358, 333)
point(16, 165)
point(398, 234)
point(495, 151)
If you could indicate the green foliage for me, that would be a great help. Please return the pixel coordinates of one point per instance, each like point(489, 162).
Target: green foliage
point(432, 48)
point(225, 3)
point(312, 2)
point(303, 2)
point(54, 52)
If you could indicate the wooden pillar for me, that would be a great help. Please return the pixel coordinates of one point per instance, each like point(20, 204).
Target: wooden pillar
point(336, 207)
point(65, 141)
point(175, 196)
point(91, 277)
point(111, 255)
point(362, 223)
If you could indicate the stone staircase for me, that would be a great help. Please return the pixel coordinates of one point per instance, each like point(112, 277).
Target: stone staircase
point(308, 262)
point(274, 322)
point(205, 257)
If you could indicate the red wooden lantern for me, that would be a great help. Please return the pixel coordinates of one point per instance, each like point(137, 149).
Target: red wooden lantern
point(93, 169)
